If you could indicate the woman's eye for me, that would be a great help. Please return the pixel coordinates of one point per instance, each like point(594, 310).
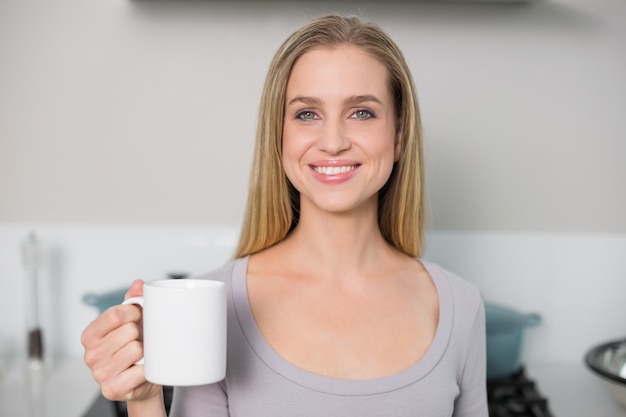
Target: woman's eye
point(306, 115)
point(362, 114)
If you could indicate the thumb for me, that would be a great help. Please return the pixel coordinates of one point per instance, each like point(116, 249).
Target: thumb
point(135, 290)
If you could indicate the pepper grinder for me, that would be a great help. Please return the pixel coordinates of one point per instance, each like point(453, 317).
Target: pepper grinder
point(32, 258)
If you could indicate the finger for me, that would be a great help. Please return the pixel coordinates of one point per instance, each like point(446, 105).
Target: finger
point(116, 341)
point(110, 332)
point(135, 290)
point(123, 387)
point(110, 320)
point(114, 353)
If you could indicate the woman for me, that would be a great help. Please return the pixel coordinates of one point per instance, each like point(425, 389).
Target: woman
point(331, 311)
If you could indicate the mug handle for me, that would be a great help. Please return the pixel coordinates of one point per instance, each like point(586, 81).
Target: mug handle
point(139, 301)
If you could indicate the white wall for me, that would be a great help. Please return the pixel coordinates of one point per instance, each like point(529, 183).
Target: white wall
point(122, 111)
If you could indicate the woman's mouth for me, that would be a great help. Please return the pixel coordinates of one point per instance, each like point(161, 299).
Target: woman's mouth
point(336, 173)
point(334, 170)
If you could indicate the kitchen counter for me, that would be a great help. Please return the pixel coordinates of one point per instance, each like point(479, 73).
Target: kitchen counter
point(66, 389)
point(573, 391)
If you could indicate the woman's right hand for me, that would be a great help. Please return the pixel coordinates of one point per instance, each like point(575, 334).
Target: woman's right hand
point(113, 343)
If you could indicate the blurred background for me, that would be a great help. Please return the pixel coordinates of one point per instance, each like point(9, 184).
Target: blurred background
point(127, 127)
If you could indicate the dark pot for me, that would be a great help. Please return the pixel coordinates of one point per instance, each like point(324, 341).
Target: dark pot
point(505, 329)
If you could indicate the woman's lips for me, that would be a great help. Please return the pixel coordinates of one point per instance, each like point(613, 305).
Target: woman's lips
point(334, 172)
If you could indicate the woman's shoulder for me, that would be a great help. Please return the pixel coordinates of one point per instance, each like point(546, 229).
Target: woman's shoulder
point(461, 302)
point(225, 272)
point(461, 288)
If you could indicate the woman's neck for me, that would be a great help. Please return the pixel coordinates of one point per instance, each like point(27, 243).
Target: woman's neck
point(338, 245)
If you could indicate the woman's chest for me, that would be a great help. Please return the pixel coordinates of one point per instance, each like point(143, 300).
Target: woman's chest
point(347, 337)
point(272, 392)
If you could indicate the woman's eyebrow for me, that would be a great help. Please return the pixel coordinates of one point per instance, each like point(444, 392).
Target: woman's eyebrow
point(309, 101)
point(352, 100)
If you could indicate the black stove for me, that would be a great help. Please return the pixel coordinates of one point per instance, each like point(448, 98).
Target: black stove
point(516, 396)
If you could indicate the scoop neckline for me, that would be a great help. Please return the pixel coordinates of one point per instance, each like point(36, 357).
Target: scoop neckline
point(335, 386)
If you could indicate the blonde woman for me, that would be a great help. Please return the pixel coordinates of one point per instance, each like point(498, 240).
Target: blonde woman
point(332, 312)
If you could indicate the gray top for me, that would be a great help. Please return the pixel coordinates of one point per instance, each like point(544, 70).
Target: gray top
point(449, 380)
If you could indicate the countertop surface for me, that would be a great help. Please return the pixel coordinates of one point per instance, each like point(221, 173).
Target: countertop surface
point(64, 389)
point(68, 390)
point(573, 391)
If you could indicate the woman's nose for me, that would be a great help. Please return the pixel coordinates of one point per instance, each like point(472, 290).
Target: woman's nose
point(333, 138)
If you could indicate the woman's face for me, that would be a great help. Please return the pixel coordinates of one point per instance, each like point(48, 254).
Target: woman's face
point(339, 135)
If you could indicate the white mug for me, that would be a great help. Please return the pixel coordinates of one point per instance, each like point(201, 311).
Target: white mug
point(184, 331)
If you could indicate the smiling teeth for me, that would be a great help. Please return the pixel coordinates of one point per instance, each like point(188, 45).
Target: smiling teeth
point(334, 170)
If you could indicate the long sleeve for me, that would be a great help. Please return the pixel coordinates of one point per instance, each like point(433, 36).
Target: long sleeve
point(472, 398)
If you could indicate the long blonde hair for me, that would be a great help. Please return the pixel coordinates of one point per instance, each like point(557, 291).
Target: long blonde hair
point(273, 203)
